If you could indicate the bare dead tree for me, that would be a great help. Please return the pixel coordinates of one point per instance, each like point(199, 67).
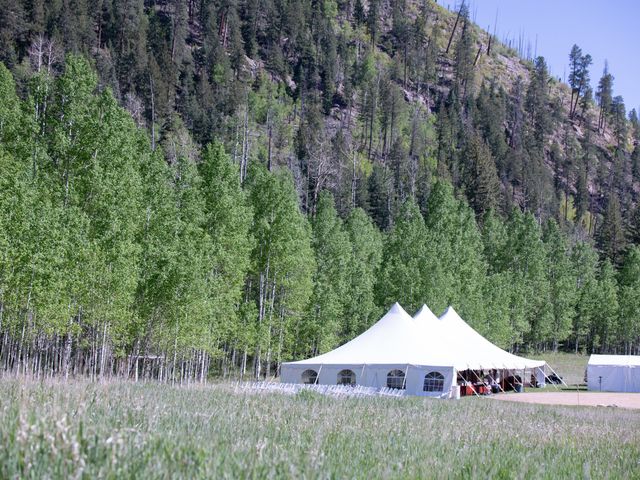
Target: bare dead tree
point(133, 105)
point(36, 53)
point(455, 26)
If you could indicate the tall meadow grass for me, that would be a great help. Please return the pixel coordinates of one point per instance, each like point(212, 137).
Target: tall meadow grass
point(124, 430)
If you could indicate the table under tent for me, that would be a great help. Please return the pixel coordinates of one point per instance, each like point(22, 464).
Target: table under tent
point(424, 355)
point(482, 367)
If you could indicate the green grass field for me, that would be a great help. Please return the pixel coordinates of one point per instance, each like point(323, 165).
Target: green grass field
point(124, 430)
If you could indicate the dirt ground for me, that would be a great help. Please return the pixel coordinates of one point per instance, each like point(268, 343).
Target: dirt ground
point(594, 399)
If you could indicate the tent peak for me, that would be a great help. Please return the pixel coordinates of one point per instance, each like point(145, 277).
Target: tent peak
point(397, 308)
point(449, 311)
point(424, 314)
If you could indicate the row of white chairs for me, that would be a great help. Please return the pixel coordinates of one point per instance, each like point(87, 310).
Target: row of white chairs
point(356, 391)
point(391, 392)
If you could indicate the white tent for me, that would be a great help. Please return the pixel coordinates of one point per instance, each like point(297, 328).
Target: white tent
point(614, 373)
point(389, 354)
point(422, 354)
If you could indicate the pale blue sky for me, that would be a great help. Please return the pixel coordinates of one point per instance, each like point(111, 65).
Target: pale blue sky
point(607, 30)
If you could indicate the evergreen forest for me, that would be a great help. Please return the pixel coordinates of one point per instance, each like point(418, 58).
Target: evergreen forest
point(192, 188)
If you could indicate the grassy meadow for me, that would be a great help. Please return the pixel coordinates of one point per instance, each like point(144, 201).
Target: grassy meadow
point(125, 430)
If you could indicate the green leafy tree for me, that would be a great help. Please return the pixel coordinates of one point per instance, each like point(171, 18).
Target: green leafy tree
point(562, 283)
point(532, 314)
point(606, 326)
point(402, 272)
point(282, 267)
point(331, 280)
point(360, 309)
point(227, 220)
point(454, 269)
point(628, 331)
point(584, 260)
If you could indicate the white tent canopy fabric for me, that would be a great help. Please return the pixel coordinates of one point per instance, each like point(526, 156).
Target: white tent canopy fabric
point(614, 373)
point(423, 354)
point(475, 351)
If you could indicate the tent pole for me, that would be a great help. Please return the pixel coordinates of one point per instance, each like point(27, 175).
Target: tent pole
point(472, 389)
point(318, 376)
point(406, 370)
point(479, 380)
point(554, 372)
point(546, 377)
point(494, 381)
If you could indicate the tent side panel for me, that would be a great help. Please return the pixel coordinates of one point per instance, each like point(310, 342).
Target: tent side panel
point(613, 378)
point(416, 379)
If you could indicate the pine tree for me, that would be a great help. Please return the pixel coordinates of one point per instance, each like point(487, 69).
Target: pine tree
point(490, 118)
point(464, 66)
point(634, 124)
point(482, 183)
point(373, 20)
point(604, 96)
point(358, 13)
point(619, 121)
point(578, 77)
point(635, 161)
point(611, 239)
point(537, 101)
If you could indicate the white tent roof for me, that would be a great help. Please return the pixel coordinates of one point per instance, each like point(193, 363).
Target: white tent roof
point(425, 317)
point(398, 339)
point(393, 340)
point(614, 360)
point(475, 350)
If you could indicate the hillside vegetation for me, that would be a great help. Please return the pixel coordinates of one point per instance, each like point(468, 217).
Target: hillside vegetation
point(219, 186)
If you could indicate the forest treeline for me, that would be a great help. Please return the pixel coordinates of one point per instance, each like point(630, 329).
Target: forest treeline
point(118, 258)
point(220, 186)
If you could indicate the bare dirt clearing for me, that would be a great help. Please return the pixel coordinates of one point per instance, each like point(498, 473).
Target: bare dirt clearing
point(592, 399)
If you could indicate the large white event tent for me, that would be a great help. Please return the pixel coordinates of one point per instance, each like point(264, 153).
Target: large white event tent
point(614, 373)
point(423, 354)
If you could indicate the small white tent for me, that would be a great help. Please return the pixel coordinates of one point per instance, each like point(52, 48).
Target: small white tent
point(422, 354)
point(614, 373)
